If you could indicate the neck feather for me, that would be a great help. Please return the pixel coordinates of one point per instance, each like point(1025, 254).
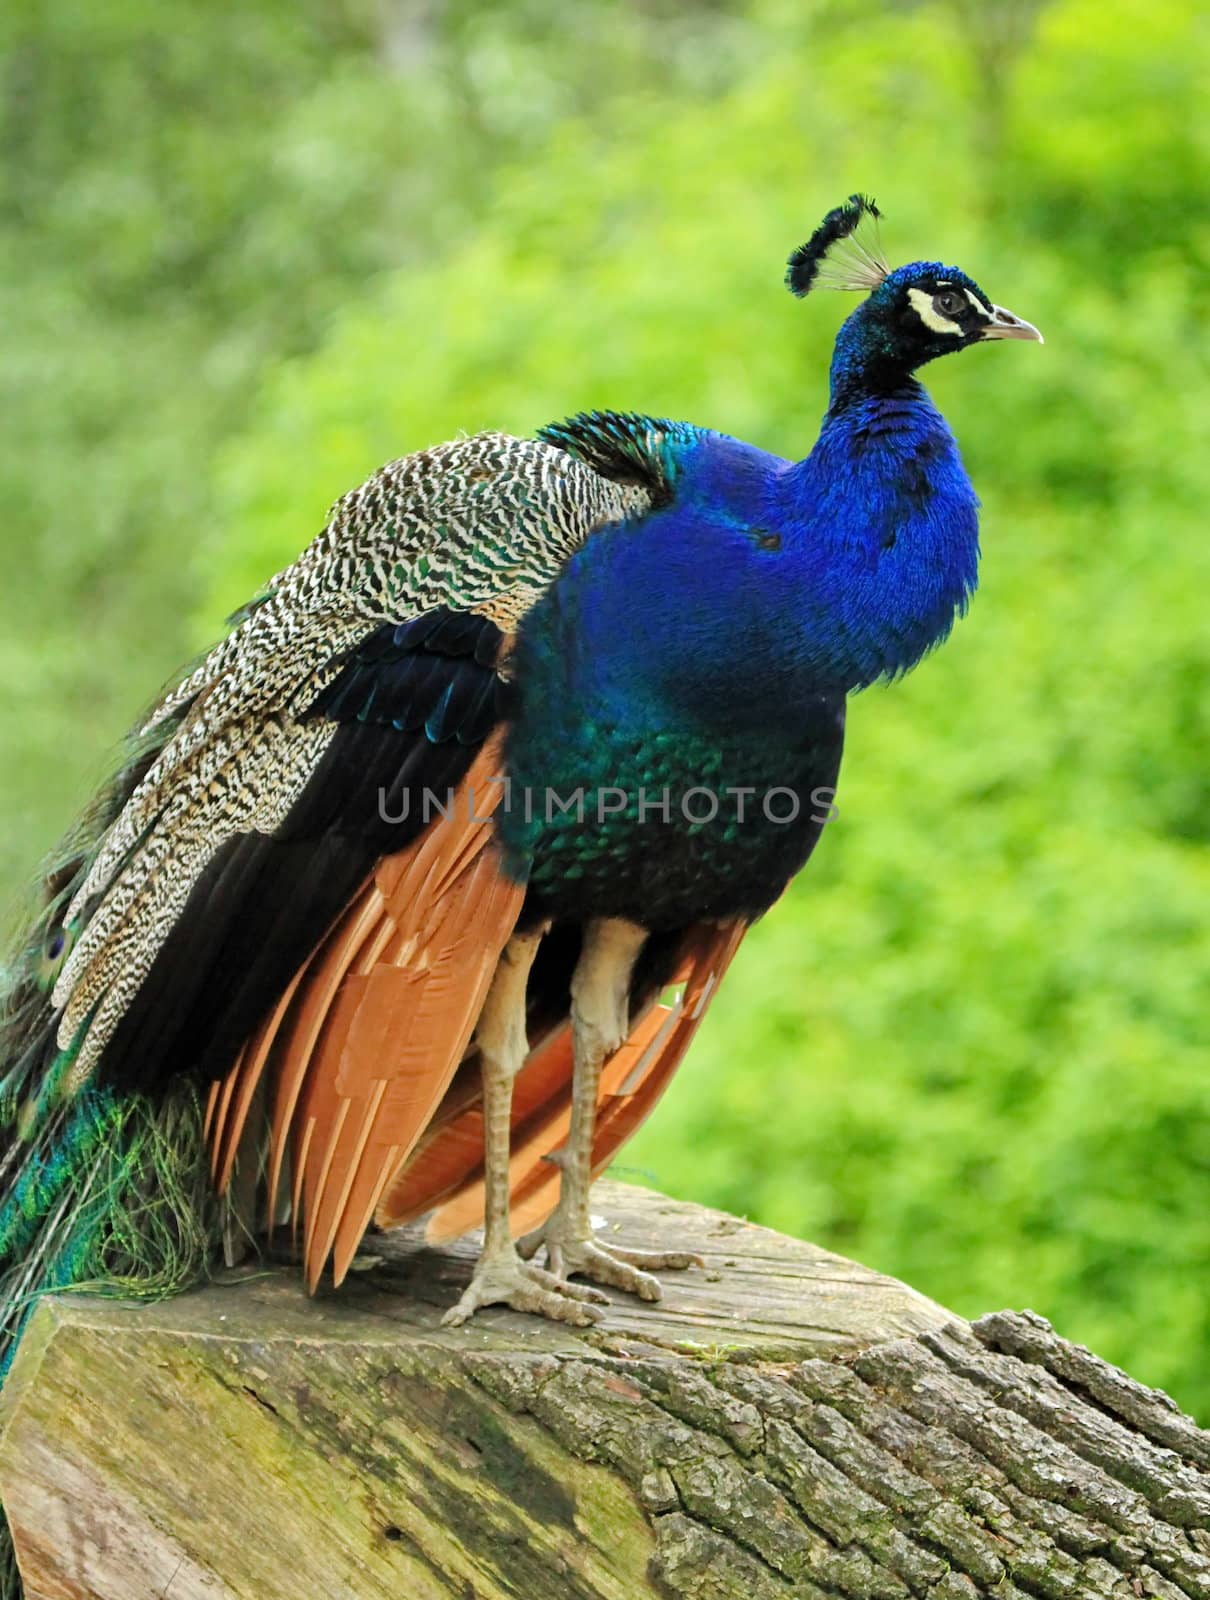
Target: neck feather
point(893, 524)
point(860, 373)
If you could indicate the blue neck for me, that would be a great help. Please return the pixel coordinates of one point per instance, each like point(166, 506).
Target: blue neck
point(860, 373)
point(893, 543)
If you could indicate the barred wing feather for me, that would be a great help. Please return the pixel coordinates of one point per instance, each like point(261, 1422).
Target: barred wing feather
point(260, 818)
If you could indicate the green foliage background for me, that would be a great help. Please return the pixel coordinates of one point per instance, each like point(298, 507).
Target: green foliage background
point(246, 256)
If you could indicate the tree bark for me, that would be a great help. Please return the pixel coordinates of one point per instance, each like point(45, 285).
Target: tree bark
point(785, 1425)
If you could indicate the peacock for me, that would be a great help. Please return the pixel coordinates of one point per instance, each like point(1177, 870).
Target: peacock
point(409, 897)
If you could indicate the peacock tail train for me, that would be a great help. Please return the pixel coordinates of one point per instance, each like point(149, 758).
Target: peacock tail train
point(97, 1189)
point(102, 1192)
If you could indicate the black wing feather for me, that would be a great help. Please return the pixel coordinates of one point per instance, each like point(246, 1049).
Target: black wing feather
point(412, 703)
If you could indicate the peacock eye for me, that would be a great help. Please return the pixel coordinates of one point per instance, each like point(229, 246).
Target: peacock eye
point(949, 303)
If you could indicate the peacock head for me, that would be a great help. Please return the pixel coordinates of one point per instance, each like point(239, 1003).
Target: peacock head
point(912, 315)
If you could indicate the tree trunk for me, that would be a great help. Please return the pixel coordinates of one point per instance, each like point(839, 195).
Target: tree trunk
point(785, 1425)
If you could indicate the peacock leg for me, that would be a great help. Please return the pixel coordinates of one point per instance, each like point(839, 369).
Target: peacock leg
point(500, 1276)
point(600, 990)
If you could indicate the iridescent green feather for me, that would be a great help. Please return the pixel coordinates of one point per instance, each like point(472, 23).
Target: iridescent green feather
point(99, 1193)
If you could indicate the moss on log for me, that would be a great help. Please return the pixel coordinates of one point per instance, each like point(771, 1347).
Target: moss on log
point(785, 1425)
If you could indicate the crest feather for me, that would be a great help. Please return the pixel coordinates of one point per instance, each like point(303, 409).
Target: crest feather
point(837, 256)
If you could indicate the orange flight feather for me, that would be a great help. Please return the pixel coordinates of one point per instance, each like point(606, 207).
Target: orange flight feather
point(364, 1045)
point(449, 1154)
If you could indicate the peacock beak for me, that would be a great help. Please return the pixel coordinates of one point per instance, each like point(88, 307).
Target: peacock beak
point(1005, 326)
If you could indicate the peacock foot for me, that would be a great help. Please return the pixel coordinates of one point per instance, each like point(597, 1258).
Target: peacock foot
point(502, 1278)
point(571, 1248)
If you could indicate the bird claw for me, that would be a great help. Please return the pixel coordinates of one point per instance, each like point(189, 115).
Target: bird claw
point(629, 1270)
point(504, 1279)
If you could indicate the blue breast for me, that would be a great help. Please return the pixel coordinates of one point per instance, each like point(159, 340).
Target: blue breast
point(714, 641)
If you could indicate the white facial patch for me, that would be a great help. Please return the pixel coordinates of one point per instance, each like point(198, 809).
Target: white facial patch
point(980, 308)
point(922, 304)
